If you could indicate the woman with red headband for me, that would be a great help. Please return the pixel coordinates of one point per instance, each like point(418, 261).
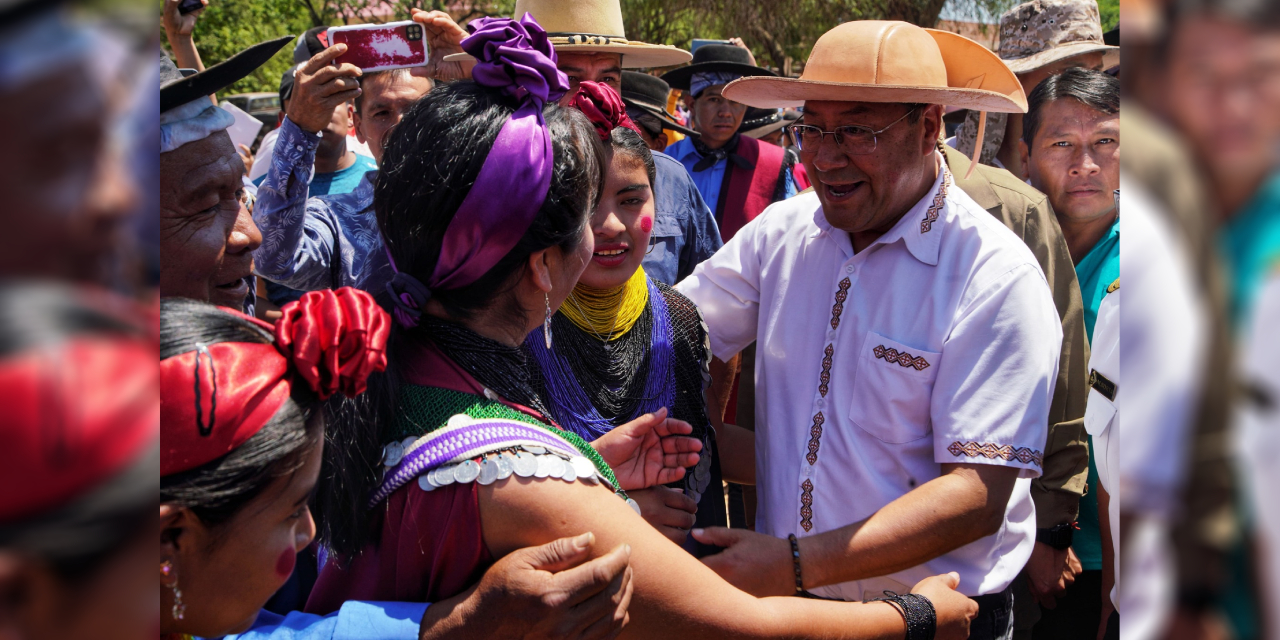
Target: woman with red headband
point(484, 198)
point(78, 465)
point(242, 440)
point(626, 344)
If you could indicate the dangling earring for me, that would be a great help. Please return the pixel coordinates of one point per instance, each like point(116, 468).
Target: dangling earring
point(546, 324)
point(170, 573)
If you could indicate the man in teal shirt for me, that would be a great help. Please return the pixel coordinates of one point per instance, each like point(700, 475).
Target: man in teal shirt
point(1071, 148)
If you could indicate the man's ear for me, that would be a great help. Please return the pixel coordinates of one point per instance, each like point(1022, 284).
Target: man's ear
point(540, 269)
point(1024, 155)
point(932, 116)
point(355, 123)
point(661, 141)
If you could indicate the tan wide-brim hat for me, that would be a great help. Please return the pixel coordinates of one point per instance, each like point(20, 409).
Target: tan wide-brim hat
point(593, 26)
point(891, 61)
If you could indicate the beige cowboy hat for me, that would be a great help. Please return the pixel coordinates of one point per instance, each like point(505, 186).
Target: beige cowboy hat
point(891, 61)
point(593, 26)
point(1041, 32)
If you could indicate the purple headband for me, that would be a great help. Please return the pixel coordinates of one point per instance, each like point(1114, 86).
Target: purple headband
point(516, 57)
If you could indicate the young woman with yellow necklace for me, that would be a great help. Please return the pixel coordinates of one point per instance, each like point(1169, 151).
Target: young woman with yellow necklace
point(625, 345)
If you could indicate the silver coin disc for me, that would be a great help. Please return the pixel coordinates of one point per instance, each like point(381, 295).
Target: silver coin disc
point(488, 471)
point(505, 468)
point(467, 471)
point(525, 464)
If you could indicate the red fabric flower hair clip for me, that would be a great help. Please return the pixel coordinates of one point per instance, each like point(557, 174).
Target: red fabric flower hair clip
point(218, 396)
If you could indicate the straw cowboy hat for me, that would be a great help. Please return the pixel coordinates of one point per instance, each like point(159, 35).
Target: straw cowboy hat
point(1041, 32)
point(891, 61)
point(593, 26)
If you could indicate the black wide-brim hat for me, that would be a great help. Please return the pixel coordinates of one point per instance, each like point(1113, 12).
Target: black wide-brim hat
point(757, 123)
point(177, 91)
point(649, 94)
point(723, 58)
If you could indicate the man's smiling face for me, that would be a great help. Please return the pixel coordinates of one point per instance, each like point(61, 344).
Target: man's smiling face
point(863, 193)
point(207, 236)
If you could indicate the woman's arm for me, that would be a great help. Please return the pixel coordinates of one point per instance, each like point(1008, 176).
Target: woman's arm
point(675, 594)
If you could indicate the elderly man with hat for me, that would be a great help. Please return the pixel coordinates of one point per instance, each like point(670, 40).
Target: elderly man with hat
point(1038, 39)
point(908, 342)
point(646, 100)
point(760, 174)
point(591, 45)
point(207, 235)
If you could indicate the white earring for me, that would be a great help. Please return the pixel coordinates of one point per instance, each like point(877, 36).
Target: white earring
point(546, 324)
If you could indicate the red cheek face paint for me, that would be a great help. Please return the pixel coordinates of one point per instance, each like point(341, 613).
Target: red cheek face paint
point(284, 565)
point(646, 224)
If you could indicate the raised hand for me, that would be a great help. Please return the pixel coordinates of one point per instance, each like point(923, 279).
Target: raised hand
point(444, 37)
point(320, 86)
point(649, 450)
point(175, 23)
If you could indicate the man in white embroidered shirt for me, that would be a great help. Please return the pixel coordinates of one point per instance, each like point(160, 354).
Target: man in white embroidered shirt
point(908, 341)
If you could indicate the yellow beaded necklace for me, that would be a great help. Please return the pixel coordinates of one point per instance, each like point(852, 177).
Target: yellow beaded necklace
point(608, 313)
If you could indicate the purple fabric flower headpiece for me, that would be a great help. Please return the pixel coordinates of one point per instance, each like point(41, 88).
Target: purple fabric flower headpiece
point(516, 57)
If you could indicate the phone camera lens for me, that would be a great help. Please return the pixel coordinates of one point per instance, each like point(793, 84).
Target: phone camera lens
point(414, 32)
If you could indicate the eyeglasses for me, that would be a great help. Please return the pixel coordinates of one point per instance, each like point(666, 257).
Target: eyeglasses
point(854, 140)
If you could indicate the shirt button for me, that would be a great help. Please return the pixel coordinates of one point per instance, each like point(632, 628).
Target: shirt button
point(848, 268)
point(831, 336)
point(821, 403)
point(298, 147)
point(806, 470)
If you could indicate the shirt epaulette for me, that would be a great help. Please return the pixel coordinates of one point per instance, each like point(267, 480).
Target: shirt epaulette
point(1114, 286)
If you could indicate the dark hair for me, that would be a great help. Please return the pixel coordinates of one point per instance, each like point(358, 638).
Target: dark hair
point(76, 538)
point(628, 142)
point(394, 74)
point(431, 161)
point(433, 158)
point(1094, 89)
point(216, 491)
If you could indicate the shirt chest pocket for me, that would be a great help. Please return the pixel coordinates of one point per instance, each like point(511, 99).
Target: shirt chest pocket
point(892, 388)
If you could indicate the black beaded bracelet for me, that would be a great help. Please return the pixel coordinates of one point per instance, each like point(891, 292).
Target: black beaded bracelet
point(917, 611)
point(795, 559)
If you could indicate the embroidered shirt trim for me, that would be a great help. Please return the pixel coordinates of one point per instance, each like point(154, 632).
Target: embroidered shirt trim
point(904, 359)
point(815, 430)
point(931, 214)
point(992, 451)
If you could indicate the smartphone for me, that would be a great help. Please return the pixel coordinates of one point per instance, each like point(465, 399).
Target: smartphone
point(375, 47)
point(187, 6)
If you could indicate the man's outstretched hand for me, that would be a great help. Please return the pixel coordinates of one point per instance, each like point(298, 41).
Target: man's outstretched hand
point(650, 450)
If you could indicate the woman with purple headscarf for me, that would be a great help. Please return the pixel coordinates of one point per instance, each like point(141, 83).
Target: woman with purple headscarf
point(484, 197)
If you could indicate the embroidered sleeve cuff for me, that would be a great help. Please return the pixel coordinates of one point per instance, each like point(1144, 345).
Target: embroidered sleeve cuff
point(974, 452)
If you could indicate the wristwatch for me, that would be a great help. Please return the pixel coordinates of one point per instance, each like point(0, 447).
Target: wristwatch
point(1058, 537)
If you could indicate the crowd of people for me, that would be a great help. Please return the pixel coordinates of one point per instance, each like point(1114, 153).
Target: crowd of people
point(533, 340)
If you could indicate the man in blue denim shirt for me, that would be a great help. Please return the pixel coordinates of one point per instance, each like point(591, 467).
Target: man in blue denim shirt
point(301, 235)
